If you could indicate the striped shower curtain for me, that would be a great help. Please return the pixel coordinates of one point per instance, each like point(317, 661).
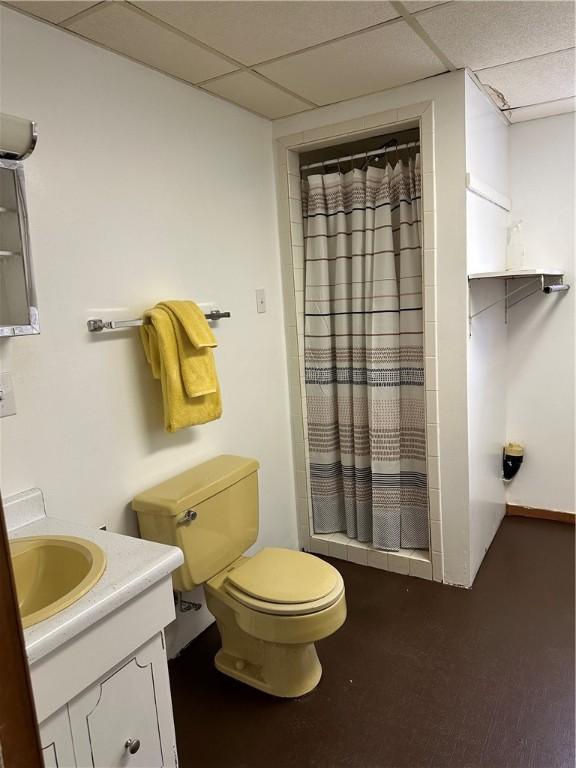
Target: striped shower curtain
point(364, 354)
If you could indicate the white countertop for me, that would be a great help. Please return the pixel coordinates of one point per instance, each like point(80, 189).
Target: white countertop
point(132, 565)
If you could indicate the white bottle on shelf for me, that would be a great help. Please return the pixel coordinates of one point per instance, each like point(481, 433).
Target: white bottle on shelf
point(515, 248)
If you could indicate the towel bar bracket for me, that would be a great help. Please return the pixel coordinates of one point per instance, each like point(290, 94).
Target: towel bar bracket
point(95, 325)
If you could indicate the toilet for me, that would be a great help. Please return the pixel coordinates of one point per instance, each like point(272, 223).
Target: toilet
point(270, 607)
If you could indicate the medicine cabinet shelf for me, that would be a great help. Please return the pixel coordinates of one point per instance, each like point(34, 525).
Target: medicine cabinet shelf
point(543, 280)
point(9, 253)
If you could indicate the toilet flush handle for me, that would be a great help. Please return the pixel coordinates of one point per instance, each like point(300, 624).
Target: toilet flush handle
point(188, 517)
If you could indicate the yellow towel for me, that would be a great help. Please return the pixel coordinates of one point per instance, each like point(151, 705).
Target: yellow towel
point(194, 344)
point(193, 322)
point(164, 339)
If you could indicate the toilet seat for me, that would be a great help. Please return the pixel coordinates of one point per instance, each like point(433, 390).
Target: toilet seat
point(284, 582)
point(286, 609)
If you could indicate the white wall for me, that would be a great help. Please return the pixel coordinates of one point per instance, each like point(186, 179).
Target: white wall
point(447, 230)
point(541, 382)
point(487, 161)
point(140, 189)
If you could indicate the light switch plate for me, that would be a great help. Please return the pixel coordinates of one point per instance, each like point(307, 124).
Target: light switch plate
point(260, 300)
point(7, 401)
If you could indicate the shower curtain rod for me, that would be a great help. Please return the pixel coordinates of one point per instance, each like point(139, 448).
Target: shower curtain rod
point(361, 154)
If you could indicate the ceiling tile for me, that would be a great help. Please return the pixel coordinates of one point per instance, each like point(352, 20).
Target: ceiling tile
point(483, 34)
point(127, 31)
point(538, 111)
point(252, 32)
point(55, 11)
point(256, 94)
point(373, 61)
point(534, 81)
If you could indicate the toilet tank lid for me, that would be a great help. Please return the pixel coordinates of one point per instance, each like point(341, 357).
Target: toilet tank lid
point(183, 491)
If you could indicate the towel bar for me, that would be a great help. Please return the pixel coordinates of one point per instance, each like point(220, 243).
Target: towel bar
point(95, 325)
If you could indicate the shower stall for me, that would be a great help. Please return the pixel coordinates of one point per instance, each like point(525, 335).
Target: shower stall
point(360, 390)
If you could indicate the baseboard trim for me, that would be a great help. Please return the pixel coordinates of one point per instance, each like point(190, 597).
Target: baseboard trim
point(541, 514)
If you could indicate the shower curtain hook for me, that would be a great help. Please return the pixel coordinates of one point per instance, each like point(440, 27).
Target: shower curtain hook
point(396, 152)
point(386, 149)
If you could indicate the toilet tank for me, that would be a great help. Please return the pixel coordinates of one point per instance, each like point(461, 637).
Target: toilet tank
point(209, 511)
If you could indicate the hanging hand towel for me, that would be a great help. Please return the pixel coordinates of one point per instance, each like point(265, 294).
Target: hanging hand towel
point(161, 347)
point(193, 321)
point(194, 339)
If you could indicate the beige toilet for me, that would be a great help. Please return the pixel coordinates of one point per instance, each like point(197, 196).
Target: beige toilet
point(271, 607)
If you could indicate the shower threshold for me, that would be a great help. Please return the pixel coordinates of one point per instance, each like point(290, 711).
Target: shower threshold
point(409, 562)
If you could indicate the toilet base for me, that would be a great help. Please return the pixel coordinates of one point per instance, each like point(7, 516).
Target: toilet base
point(287, 671)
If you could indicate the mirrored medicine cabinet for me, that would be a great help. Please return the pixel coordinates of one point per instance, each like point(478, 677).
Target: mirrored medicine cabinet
point(18, 303)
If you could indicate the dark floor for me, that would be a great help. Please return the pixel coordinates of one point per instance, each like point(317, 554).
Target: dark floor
point(419, 675)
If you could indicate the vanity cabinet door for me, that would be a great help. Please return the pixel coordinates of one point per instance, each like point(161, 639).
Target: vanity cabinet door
point(56, 741)
point(119, 720)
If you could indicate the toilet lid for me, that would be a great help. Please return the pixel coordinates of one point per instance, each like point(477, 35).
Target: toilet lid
point(276, 575)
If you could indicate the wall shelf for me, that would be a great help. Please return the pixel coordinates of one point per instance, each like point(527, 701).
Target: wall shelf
point(539, 280)
point(480, 188)
point(511, 274)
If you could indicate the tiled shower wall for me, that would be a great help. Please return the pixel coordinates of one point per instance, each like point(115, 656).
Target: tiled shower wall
point(421, 563)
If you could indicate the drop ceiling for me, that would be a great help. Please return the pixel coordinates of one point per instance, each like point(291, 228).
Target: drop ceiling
point(279, 58)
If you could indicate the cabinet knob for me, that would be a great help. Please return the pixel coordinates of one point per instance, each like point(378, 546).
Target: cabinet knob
point(132, 745)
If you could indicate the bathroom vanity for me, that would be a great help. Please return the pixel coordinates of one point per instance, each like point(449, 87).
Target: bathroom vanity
point(99, 668)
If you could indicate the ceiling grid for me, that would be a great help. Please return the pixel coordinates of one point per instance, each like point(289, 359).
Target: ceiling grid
point(279, 58)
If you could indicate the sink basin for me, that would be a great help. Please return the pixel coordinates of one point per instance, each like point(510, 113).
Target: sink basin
point(52, 572)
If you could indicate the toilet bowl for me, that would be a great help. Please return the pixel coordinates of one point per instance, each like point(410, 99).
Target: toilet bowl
point(270, 608)
point(268, 635)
